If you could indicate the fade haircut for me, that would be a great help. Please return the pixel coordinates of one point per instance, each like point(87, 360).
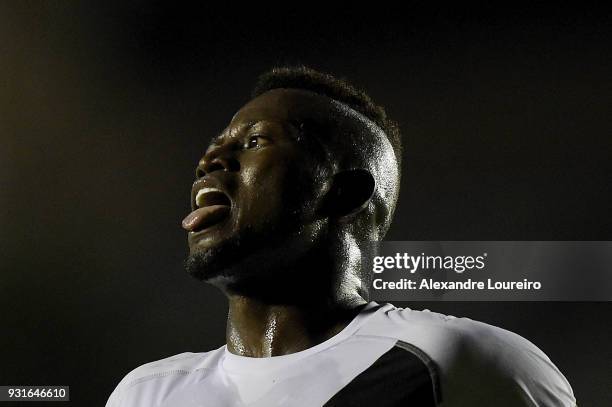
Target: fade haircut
point(305, 78)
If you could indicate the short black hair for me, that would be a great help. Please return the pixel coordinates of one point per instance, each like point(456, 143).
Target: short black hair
point(339, 89)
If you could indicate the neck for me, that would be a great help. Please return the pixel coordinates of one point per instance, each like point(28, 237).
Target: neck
point(258, 329)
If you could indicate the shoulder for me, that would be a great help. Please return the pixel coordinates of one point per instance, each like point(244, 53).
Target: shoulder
point(182, 362)
point(479, 363)
point(143, 379)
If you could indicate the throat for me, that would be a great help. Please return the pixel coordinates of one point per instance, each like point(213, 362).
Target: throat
point(262, 330)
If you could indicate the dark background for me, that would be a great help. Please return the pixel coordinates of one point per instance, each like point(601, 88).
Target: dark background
point(106, 109)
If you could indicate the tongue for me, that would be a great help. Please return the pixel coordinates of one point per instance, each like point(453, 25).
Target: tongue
point(204, 217)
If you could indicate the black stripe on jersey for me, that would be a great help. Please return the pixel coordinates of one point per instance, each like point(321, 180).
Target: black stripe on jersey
point(402, 377)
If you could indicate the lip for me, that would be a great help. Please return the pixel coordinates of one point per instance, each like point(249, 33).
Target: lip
point(209, 189)
point(193, 237)
point(212, 183)
point(207, 197)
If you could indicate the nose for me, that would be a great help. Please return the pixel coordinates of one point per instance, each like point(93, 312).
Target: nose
point(217, 161)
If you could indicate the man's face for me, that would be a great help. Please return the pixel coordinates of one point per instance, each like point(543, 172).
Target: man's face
point(259, 189)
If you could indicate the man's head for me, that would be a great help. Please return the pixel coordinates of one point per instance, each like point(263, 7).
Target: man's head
point(305, 172)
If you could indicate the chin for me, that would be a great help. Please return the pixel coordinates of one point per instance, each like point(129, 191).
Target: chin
point(216, 259)
point(210, 260)
point(249, 258)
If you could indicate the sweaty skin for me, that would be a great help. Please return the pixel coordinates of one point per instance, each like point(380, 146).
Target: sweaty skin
point(284, 202)
point(283, 244)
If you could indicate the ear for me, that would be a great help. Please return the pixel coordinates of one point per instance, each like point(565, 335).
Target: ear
point(349, 193)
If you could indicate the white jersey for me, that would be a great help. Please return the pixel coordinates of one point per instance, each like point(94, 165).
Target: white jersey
point(385, 357)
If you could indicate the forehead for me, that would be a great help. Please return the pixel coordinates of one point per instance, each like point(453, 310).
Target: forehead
point(284, 106)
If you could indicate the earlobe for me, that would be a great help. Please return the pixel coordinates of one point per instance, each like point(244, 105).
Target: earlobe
point(349, 193)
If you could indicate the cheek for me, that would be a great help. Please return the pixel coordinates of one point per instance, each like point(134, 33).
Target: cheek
point(261, 190)
point(276, 189)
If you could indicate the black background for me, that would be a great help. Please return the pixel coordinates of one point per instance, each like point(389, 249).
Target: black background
point(106, 109)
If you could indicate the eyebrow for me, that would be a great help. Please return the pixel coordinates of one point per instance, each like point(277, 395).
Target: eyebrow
point(247, 126)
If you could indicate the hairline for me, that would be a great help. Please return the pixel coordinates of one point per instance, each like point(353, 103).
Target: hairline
point(356, 116)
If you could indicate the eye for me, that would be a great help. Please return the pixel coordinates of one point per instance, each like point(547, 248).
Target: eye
point(255, 141)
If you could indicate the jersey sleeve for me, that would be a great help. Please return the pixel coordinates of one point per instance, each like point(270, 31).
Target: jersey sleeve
point(493, 366)
point(113, 400)
point(133, 391)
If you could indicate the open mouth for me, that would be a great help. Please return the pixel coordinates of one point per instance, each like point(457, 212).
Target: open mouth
point(212, 206)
